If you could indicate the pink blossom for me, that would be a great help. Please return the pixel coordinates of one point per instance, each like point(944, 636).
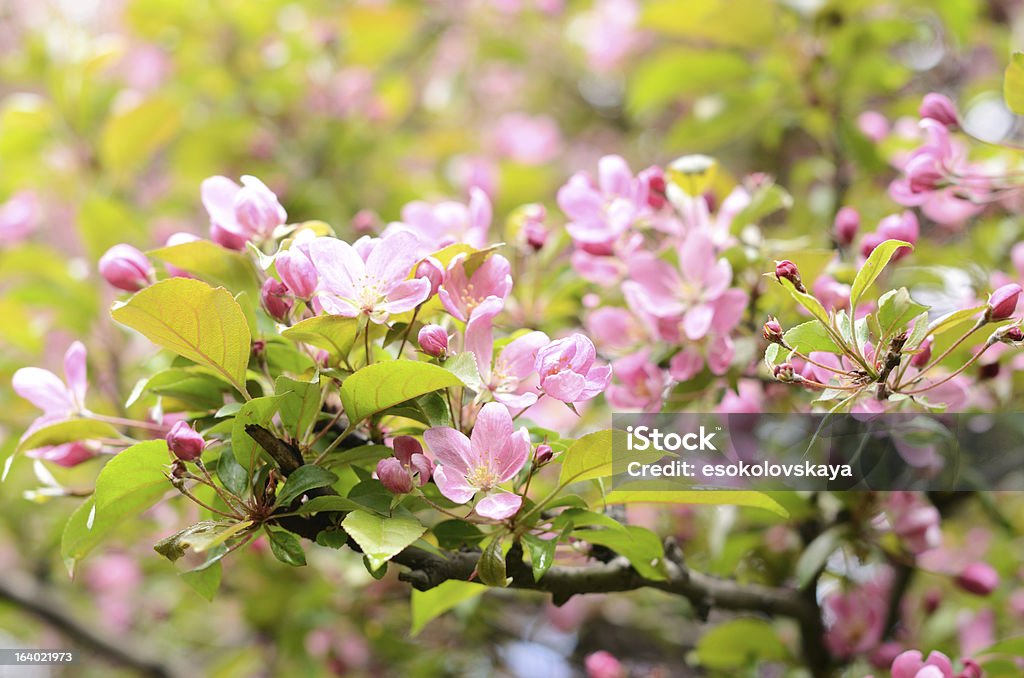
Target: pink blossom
point(493, 454)
point(976, 631)
point(607, 32)
point(408, 467)
point(506, 380)
point(902, 226)
point(297, 271)
point(601, 212)
point(698, 291)
point(449, 222)
point(66, 455)
point(602, 664)
point(640, 383)
point(940, 108)
point(910, 664)
point(614, 329)
point(873, 125)
point(568, 371)
point(846, 223)
point(914, 520)
point(832, 294)
point(57, 398)
point(460, 294)
point(241, 213)
point(855, 618)
point(978, 578)
point(378, 287)
point(19, 216)
point(527, 139)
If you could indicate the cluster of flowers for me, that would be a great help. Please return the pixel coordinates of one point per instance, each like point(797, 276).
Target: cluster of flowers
point(664, 322)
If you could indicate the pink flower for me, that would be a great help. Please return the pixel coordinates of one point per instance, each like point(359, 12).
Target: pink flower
point(58, 399)
point(855, 618)
point(910, 664)
point(602, 664)
point(378, 287)
point(873, 125)
point(978, 578)
point(184, 442)
point(527, 139)
point(914, 521)
point(846, 224)
point(241, 213)
point(600, 213)
point(493, 455)
point(66, 455)
point(407, 467)
point(433, 340)
point(126, 268)
point(19, 216)
point(641, 383)
point(448, 222)
point(698, 291)
point(902, 226)
point(506, 380)
point(460, 294)
point(940, 108)
point(568, 371)
point(296, 270)
point(608, 32)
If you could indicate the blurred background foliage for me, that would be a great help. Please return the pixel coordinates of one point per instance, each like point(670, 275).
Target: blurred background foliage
point(113, 111)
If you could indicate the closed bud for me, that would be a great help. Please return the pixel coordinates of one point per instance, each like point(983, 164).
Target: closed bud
point(785, 372)
point(431, 269)
point(924, 353)
point(788, 270)
point(772, 331)
point(932, 600)
point(257, 208)
point(276, 300)
point(535, 232)
point(940, 108)
point(297, 273)
point(846, 225)
point(543, 454)
point(394, 476)
point(978, 578)
point(184, 442)
point(1003, 302)
point(126, 268)
point(971, 669)
point(1011, 335)
point(434, 340)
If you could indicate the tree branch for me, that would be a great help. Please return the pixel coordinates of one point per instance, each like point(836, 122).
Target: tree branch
point(29, 595)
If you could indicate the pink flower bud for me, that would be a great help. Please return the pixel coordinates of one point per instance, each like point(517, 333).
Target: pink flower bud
point(788, 270)
point(184, 442)
point(276, 300)
point(431, 269)
point(971, 669)
point(785, 372)
point(932, 600)
point(772, 331)
point(902, 226)
point(297, 272)
point(543, 454)
point(227, 239)
point(911, 664)
point(940, 108)
point(1012, 335)
point(394, 476)
point(257, 209)
point(126, 268)
point(924, 353)
point(1003, 302)
point(365, 221)
point(603, 664)
point(873, 125)
point(656, 187)
point(978, 578)
point(535, 232)
point(869, 242)
point(433, 340)
point(846, 224)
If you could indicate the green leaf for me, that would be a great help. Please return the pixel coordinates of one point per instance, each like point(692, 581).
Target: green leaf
point(302, 480)
point(256, 411)
point(491, 566)
point(329, 503)
point(454, 534)
point(1009, 646)
point(204, 580)
point(748, 498)
point(767, 200)
point(872, 268)
point(382, 385)
point(131, 137)
point(951, 320)
point(300, 404)
point(464, 367)
point(68, 431)
point(639, 545)
point(200, 537)
point(129, 483)
point(810, 336)
point(589, 457)
point(817, 552)
point(333, 333)
point(332, 538)
point(542, 554)
point(671, 73)
point(428, 605)
point(895, 310)
point(194, 320)
point(211, 263)
point(231, 473)
point(382, 538)
point(735, 644)
point(809, 302)
point(286, 547)
point(1013, 83)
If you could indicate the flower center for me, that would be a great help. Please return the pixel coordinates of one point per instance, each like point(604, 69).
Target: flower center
point(482, 478)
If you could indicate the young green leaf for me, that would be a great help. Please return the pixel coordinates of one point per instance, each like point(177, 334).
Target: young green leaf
point(428, 605)
point(300, 404)
point(1013, 83)
point(303, 479)
point(286, 547)
point(211, 263)
point(382, 385)
point(542, 554)
point(382, 538)
point(66, 431)
point(748, 498)
point(491, 566)
point(639, 545)
point(256, 411)
point(872, 268)
point(333, 333)
point(810, 336)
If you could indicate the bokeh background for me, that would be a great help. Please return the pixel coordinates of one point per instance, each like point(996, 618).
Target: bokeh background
point(113, 111)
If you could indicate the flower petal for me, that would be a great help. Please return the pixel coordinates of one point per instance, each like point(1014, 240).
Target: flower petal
point(499, 506)
point(44, 389)
point(339, 265)
point(513, 455)
point(453, 484)
point(492, 430)
point(451, 448)
point(75, 371)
